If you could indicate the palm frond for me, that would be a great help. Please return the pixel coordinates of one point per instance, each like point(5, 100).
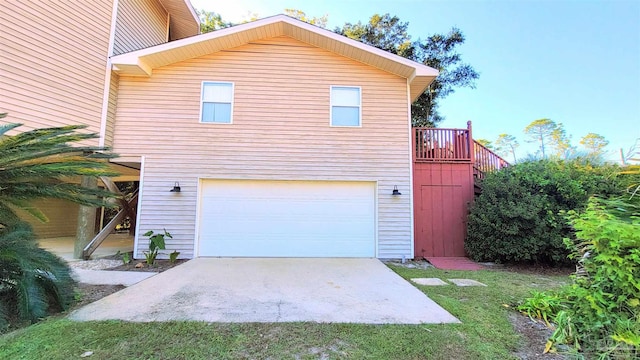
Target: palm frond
point(31, 277)
point(46, 163)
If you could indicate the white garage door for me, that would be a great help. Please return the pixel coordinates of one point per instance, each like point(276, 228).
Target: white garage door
point(287, 219)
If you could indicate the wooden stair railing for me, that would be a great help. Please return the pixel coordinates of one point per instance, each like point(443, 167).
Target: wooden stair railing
point(486, 161)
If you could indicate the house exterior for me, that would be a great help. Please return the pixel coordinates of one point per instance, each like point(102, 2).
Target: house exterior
point(283, 138)
point(273, 138)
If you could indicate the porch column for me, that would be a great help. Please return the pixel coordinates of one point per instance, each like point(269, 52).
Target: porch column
point(86, 228)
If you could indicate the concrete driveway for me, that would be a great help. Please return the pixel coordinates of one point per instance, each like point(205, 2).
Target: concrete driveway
point(271, 290)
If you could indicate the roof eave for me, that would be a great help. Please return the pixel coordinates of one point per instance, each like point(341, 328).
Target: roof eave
point(135, 63)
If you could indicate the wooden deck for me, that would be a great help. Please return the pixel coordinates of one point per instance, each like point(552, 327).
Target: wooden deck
point(436, 145)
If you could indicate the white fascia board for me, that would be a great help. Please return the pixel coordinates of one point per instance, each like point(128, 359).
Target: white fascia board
point(128, 58)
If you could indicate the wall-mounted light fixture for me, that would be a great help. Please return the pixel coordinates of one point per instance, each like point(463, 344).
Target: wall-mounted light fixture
point(176, 187)
point(396, 191)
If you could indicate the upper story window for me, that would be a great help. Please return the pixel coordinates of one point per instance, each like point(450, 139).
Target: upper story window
point(346, 109)
point(216, 102)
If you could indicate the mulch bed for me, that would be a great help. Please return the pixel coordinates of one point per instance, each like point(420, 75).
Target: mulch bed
point(90, 293)
point(141, 266)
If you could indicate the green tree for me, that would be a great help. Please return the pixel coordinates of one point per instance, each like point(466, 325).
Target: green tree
point(541, 131)
point(438, 51)
point(561, 142)
point(40, 163)
point(486, 143)
point(211, 21)
point(507, 144)
point(302, 16)
point(594, 143)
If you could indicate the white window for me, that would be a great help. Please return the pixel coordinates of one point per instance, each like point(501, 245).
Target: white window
point(345, 106)
point(216, 102)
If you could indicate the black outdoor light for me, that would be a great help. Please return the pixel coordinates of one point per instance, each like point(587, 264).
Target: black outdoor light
point(396, 191)
point(176, 187)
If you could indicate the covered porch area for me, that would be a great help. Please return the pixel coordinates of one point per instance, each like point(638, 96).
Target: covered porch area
point(114, 243)
point(109, 229)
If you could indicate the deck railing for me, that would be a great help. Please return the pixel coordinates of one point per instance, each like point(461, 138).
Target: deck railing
point(442, 145)
point(486, 160)
point(453, 146)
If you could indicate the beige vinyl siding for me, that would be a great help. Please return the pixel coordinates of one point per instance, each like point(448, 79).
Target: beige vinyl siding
point(53, 61)
point(62, 214)
point(140, 24)
point(111, 109)
point(280, 131)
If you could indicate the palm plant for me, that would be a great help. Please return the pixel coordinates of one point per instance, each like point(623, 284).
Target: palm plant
point(31, 279)
point(40, 163)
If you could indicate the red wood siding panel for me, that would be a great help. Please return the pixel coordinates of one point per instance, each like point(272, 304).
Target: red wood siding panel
point(442, 194)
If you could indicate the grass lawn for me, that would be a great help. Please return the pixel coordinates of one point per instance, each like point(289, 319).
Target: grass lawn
point(485, 332)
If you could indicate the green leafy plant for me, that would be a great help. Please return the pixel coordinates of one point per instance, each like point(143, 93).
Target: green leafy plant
point(518, 218)
point(173, 256)
point(126, 258)
point(542, 306)
point(32, 280)
point(156, 242)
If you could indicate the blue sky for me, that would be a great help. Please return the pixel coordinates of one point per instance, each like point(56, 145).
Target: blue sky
point(576, 62)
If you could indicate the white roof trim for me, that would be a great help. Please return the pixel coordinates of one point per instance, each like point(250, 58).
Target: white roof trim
point(194, 13)
point(127, 62)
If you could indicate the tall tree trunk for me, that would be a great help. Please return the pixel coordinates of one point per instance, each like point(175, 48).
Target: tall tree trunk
point(86, 228)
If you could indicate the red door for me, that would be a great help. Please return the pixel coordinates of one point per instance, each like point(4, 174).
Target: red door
point(440, 221)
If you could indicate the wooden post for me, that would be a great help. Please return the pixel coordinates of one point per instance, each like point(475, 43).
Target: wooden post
point(86, 228)
point(472, 155)
point(470, 140)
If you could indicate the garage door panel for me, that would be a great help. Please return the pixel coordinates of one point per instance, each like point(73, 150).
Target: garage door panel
point(287, 218)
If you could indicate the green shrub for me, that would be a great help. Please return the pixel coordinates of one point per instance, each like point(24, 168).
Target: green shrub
point(598, 315)
point(604, 298)
point(32, 280)
point(518, 216)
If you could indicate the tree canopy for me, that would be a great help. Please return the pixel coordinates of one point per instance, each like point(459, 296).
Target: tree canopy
point(507, 144)
point(438, 51)
point(302, 16)
point(541, 131)
point(211, 21)
point(561, 142)
point(486, 143)
point(594, 143)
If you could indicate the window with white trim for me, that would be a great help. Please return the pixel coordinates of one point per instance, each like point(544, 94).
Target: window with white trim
point(345, 106)
point(216, 102)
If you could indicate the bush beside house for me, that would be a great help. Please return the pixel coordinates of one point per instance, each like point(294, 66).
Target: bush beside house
point(598, 315)
point(518, 217)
